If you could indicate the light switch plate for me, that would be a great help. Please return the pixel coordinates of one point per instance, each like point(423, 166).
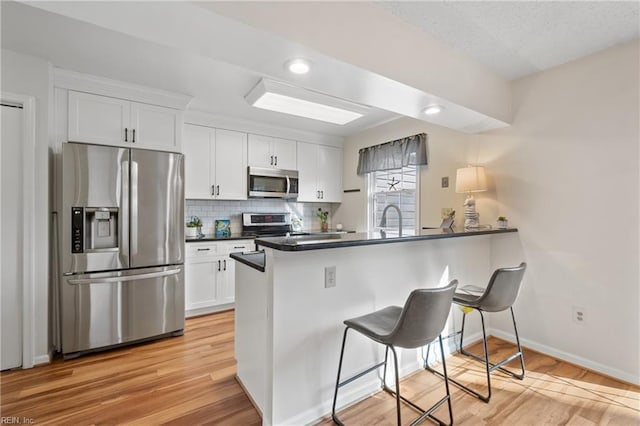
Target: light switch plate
point(445, 181)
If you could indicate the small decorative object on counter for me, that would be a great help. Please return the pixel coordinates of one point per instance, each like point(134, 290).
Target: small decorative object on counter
point(324, 217)
point(297, 223)
point(338, 227)
point(502, 222)
point(194, 228)
point(448, 219)
point(223, 228)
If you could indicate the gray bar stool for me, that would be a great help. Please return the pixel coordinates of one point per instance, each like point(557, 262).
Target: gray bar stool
point(500, 295)
point(417, 324)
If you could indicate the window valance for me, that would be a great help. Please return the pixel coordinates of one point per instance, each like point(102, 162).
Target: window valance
point(411, 150)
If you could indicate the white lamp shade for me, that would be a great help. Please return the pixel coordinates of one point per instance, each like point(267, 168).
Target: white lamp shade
point(471, 179)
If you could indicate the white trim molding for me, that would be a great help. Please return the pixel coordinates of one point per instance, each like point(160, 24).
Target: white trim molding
point(73, 80)
point(28, 104)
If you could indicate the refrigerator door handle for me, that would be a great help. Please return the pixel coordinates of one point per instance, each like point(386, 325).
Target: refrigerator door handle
point(125, 277)
point(133, 238)
point(123, 232)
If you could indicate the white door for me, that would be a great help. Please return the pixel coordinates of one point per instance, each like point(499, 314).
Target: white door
point(330, 174)
point(284, 153)
point(10, 225)
point(99, 119)
point(260, 151)
point(230, 165)
point(155, 127)
point(307, 172)
point(198, 157)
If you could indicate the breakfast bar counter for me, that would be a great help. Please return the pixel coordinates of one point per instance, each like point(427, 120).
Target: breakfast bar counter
point(289, 311)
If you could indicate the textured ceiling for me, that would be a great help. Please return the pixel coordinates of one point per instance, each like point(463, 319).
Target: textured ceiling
point(516, 38)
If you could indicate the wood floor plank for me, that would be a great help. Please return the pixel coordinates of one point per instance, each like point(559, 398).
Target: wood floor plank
point(190, 380)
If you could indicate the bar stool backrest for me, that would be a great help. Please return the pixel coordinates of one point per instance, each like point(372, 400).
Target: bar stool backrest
point(423, 317)
point(502, 290)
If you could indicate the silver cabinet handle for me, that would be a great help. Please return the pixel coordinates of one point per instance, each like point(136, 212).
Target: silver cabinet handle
point(276, 163)
point(238, 247)
point(213, 190)
point(225, 264)
point(322, 195)
point(133, 140)
point(126, 134)
point(218, 266)
point(271, 160)
point(318, 195)
point(125, 277)
point(217, 189)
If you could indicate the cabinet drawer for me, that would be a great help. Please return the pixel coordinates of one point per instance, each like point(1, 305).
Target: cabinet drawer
point(195, 250)
point(236, 246)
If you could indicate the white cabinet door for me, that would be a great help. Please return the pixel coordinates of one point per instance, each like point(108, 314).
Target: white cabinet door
point(273, 153)
point(198, 157)
point(227, 281)
point(201, 288)
point(230, 165)
point(155, 127)
point(330, 174)
point(307, 165)
point(99, 119)
point(260, 151)
point(284, 153)
point(319, 173)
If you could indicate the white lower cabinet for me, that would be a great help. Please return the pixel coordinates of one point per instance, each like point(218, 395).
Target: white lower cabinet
point(210, 275)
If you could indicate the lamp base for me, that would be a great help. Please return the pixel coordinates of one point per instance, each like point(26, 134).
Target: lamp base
point(471, 216)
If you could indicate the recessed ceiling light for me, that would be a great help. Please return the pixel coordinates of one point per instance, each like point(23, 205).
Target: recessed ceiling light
point(298, 66)
point(288, 99)
point(433, 109)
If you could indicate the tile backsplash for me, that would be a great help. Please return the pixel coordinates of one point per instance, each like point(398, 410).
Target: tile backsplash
point(210, 210)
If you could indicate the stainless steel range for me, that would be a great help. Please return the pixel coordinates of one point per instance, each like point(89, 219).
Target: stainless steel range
point(267, 225)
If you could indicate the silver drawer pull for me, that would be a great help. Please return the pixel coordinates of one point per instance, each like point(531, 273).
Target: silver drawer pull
point(207, 249)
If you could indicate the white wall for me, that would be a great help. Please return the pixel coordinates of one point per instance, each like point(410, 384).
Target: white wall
point(446, 152)
point(566, 174)
point(27, 75)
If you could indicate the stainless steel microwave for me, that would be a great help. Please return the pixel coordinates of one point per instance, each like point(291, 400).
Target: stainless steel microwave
point(272, 183)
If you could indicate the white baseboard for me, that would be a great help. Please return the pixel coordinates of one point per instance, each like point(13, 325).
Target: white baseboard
point(565, 356)
point(42, 359)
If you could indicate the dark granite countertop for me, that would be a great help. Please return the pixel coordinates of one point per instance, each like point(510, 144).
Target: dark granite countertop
point(330, 240)
point(212, 237)
point(254, 259)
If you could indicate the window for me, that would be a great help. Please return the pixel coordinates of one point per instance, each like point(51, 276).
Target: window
point(398, 187)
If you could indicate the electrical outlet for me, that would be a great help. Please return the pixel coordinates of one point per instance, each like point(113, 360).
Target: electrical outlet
point(444, 182)
point(579, 315)
point(329, 276)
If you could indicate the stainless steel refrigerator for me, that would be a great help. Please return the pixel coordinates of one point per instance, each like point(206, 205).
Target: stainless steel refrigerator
point(121, 233)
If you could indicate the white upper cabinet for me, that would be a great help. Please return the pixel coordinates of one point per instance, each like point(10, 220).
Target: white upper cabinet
point(111, 121)
point(156, 127)
point(98, 119)
point(320, 173)
point(270, 152)
point(230, 165)
point(197, 157)
point(215, 163)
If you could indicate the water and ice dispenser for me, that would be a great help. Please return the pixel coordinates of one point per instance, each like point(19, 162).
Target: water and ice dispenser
point(94, 229)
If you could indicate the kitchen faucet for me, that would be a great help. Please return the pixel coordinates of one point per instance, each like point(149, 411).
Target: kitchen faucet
point(383, 221)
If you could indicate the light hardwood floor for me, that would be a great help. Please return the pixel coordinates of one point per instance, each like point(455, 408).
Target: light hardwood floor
point(189, 380)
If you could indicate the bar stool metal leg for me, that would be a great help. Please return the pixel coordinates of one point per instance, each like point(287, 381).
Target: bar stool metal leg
point(489, 366)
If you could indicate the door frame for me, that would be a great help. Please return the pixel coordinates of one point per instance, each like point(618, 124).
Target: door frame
point(28, 104)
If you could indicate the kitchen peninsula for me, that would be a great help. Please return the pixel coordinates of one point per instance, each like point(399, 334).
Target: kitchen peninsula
point(291, 301)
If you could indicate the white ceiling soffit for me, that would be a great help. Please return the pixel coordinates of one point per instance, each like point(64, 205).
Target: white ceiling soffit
point(188, 28)
point(519, 38)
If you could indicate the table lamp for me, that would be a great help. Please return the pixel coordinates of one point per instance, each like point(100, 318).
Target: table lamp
point(468, 180)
